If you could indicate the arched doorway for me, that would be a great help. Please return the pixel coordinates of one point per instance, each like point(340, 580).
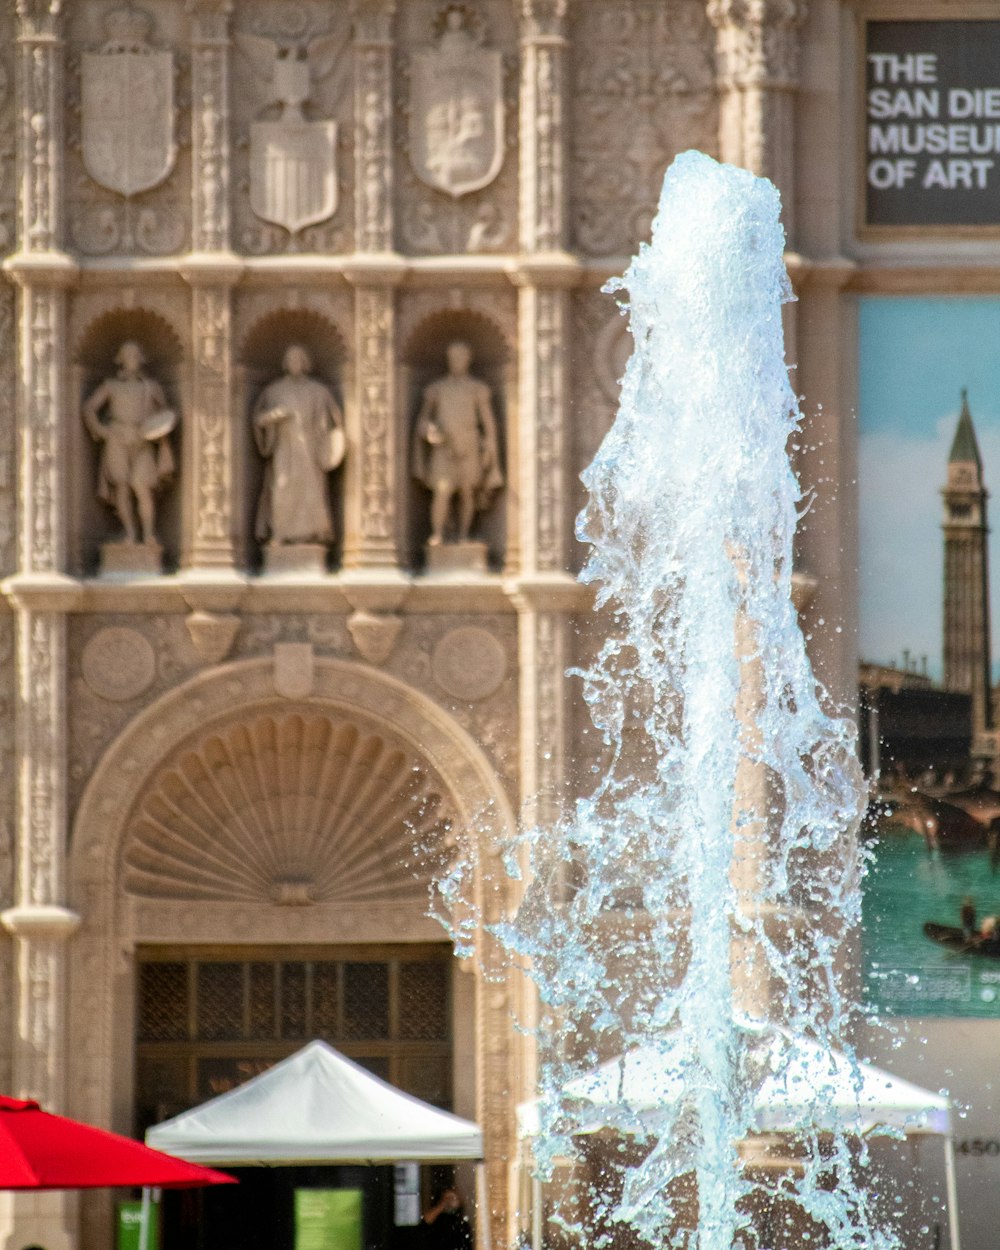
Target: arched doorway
point(255, 818)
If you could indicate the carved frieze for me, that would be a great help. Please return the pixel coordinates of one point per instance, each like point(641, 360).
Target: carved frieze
point(8, 431)
point(643, 87)
point(457, 111)
point(292, 73)
point(127, 161)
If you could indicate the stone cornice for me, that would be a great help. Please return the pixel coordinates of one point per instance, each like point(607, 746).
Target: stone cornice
point(40, 921)
point(43, 592)
point(211, 268)
point(42, 269)
point(553, 270)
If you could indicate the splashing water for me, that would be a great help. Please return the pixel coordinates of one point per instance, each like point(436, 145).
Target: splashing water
point(703, 890)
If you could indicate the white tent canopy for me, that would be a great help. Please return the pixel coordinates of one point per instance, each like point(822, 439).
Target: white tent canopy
point(316, 1107)
point(804, 1085)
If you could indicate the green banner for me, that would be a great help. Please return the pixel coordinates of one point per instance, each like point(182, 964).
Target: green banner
point(328, 1219)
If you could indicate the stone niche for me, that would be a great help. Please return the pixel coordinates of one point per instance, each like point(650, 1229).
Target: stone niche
point(260, 363)
point(424, 360)
point(94, 523)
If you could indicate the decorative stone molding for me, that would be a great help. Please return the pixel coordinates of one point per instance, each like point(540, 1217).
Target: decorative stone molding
point(469, 664)
point(369, 826)
point(40, 77)
point(374, 634)
point(643, 84)
point(757, 55)
point(211, 485)
point(372, 468)
point(212, 634)
point(118, 664)
point(373, 155)
point(543, 130)
point(544, 521)
point(210, 124)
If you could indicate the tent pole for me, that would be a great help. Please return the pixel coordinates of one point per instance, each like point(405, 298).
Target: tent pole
point(951, 1190)
point(144, 1217)
point(484, 1240)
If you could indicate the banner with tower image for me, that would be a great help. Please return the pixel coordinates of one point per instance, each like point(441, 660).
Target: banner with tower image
point(929, 458)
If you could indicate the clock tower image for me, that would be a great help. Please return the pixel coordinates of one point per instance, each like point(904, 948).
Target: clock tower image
point(966, 580)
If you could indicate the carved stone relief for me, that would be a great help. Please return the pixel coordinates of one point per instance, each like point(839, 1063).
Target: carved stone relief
point(601, 348)
point(643, 75)
point(127, 122)
point(469, 663)
point(8, 191)
point(371, 821)
point(8, 431)
point(292, 157)
point(457, 128)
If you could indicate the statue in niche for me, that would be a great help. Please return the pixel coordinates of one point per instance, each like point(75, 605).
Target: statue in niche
point(455, 453)
point(299, 430)
point(133, 431)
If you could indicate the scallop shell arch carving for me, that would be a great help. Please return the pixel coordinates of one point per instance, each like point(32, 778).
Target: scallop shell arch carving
point(290, 808)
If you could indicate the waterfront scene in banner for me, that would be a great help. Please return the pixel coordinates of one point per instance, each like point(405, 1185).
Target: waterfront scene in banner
point(929, 457)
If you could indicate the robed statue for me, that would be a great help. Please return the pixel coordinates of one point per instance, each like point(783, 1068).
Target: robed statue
point(299, 430)
point(455, 452)
point(129, 417)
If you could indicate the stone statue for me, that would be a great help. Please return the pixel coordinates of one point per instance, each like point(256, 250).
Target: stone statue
point(299, 429)
point(455, 451)
point(135, 453)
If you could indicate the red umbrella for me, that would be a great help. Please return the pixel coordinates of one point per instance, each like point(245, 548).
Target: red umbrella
point(43, 1151)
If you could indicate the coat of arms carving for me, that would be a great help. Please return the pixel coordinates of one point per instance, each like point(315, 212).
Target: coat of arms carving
point(457, 110)
point(293, 161)
point(127, 106)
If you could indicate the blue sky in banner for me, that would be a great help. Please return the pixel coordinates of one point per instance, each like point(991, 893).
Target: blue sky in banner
point(916, 354)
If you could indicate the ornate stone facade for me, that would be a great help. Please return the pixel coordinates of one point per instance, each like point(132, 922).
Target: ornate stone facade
point(217, 181)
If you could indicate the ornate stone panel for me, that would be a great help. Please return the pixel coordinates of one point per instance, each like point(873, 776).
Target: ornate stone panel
point(373, 152)
point(643, 88)
point(8, 191)
point(433, 222)
point(8, 430)
point(211, 485)
point(296, 103)
point(40, 138)
point(42, 467)
point(210, 124)
point(103, 221)
point(373, 471)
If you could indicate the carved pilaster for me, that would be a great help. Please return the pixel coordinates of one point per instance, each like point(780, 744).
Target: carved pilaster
point(41, 407)
point(38, 920)
point(210, 124)
point(543, 125)
point(40, 93)
point(373, 124)
point(543, 330)
point(370, 519)
point(757, 66)
point(209, 477)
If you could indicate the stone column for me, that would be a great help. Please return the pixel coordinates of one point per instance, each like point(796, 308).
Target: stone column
point(757, 47)
point(543, 591)
point(212, 270)
point(41, 595)
point(373, 478)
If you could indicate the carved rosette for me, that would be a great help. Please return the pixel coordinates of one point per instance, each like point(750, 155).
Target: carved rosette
point(373, 124)
point(543, 128)
point(211, 464)
point(757, 66)
point(210, 124)
point(369, 537)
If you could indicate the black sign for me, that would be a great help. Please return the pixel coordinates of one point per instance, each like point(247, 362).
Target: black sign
point(932, 124)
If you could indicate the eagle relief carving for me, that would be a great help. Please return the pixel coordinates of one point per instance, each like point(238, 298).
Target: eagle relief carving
point(293, 160)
